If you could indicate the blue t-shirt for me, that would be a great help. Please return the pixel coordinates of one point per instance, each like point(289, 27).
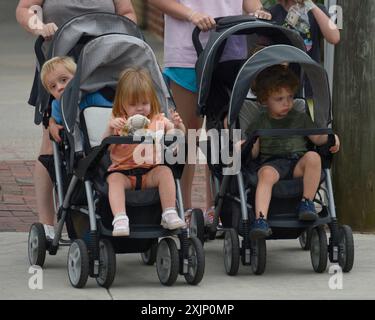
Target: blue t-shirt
point(91, 99)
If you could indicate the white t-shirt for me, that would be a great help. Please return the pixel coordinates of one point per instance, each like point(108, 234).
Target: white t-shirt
point(178, 46)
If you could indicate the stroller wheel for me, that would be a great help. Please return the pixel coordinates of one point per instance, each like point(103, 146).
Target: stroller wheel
point(346, 248)
point(149, 256)
point(258, 256)
point(304, 239)
point(107, 264)
point(167, 261)
point(231, 252)
point(37, 245)
point(78, 263)
point(196, 226)
point(196, 261)
point(318, 249)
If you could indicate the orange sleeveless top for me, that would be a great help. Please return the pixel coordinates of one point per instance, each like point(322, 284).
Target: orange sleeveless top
point(131, 156)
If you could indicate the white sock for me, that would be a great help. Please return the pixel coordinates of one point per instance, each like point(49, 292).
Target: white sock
point(169, 210)
point(49, 231)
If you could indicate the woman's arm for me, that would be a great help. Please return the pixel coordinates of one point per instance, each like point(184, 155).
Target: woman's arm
point(255, 7)
point(31, 19)
point(125, 8)
point(23, 13)
point(179, 11)
point(329, 30)
point(173, 8)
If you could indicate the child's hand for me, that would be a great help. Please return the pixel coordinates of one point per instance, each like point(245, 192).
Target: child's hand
point(117, 123)
point(176, 119)
point(336, 147)
point(54, 130)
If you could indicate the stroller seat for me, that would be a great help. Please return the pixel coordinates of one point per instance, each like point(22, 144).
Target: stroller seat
point(283, 189)
point(94, 122)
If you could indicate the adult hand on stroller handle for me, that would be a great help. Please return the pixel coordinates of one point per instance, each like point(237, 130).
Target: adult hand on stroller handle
point(47, 31)
point(202, 20)
point(221, 23)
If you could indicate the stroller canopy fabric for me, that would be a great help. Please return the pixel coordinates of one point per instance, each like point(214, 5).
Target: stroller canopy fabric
point(278, 54)
point(69, 38)
point(100, 64)
point(227, 27)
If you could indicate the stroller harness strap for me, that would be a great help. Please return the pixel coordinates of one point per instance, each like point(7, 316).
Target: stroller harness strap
point(137, 173)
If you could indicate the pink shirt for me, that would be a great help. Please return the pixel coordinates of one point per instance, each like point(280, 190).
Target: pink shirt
point(178, 46)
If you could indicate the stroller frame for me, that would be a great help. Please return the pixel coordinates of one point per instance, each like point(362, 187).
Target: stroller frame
point(96, 256)
point(253, 252)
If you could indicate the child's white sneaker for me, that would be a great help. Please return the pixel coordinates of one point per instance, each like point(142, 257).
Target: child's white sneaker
point(120, 225)
point(170, 220)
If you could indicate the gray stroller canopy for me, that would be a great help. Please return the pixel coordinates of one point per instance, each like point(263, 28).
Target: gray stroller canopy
point(231, 26)
point(100, 63)
point(91, 24)
point(88, 26)
point(278, 54)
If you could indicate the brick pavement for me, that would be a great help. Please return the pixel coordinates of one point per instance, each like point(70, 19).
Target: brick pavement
point(17, 195)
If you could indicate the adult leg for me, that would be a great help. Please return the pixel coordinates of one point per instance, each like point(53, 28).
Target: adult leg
point(186, 102)
point(309, 167)
point(267, 177)
point(43, 185)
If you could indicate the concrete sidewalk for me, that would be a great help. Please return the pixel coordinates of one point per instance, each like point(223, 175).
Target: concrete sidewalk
point(288, 275)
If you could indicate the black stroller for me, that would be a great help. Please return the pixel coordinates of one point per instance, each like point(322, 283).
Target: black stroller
point(108, 44)
point(235, 193)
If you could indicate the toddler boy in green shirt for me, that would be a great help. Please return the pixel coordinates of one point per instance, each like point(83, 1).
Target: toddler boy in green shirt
point(284, 157)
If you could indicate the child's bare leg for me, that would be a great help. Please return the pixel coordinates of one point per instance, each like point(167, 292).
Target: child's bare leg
point(267, 177)
point(117, 183)
point(44, 188)
point(309, 167)
point(162, 177)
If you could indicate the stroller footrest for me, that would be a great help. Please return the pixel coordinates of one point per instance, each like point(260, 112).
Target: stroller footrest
point(291, 221)
point(138, 231)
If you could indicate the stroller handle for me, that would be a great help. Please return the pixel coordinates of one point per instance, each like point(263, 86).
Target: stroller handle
point(221, 23)
point(38, 50)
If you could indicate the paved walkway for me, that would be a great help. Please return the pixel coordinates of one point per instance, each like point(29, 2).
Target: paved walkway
point(17, 196)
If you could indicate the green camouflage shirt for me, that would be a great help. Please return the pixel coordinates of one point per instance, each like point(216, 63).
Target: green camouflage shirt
point(282, 146)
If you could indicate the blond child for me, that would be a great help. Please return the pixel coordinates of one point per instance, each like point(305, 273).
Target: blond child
point(55, 75)
point(136, 95)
